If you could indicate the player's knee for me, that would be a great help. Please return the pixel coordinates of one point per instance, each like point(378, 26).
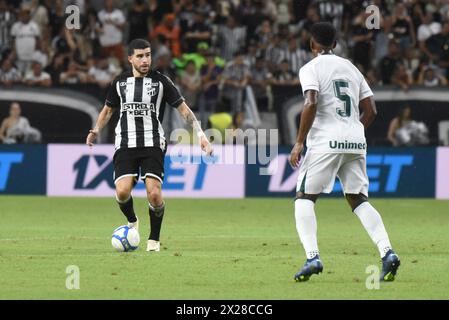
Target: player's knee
point(355, 200)
point(155, 196)
point(305, 196)
point(123, 193)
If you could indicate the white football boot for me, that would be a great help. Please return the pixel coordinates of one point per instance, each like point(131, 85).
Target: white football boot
point(153, 245)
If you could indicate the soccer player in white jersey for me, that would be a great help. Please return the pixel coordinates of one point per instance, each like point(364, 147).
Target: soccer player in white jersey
point(334, 90)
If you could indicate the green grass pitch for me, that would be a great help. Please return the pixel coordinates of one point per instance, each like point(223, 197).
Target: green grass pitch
point(216, 249)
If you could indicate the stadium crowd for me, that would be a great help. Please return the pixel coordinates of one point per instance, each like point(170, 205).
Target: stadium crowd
point(213, 49)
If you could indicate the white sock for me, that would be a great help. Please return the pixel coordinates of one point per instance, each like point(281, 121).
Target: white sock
point(373, 224)
point(306, 226)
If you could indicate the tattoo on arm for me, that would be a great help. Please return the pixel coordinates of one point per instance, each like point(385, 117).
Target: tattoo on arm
point(191, 120)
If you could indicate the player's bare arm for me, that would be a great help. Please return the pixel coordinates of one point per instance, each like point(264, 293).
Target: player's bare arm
point(307, 118)
point(191, 120)
point(369, 111)
point(103, 118)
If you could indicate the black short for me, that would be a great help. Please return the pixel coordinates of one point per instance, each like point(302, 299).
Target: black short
point(143, 162)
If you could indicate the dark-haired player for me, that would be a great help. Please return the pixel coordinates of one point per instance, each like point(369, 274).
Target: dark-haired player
point(334, 90)
point(140, 95)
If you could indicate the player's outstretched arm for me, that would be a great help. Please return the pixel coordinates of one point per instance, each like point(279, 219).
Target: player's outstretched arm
point(103, 118)
point(191, 120)
point(307, 118)
point(369, 111)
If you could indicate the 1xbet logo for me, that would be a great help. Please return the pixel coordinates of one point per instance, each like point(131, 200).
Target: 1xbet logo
point(104, 172)
point(7, 160)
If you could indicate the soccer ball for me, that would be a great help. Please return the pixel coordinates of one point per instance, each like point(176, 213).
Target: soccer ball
point(125, 239)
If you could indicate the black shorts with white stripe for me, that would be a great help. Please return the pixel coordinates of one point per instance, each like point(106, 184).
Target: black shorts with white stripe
point(134, 162)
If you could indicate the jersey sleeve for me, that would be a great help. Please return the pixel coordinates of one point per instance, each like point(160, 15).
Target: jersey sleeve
point(112, 97)
point(308, 79)
point(171, 94)
point(365, 90)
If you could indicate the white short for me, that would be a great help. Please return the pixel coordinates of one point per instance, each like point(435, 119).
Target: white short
point(318, 171)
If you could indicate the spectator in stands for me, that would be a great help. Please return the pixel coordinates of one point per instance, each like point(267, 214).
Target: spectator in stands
point(382, 39)
point(264, 33)
point(273, 52)
point(9, 75)
point(171, 31)
point(101, 72)
point(332, 11)
point(57, 17)
point(198, 32)
point(362, 39)
point(164, 65)
point(412, 60)
point(185, 12)
point(210, 78)
point(260, 79)
point(91, 32)
point(236, 77)
point(295, 56)
point(402, 77)
point(205, 8)
point(284, 35)
point(7, 19)
point(443, 50)
point(138, 19)
point(285, 76)
point(159, 9)
point(37, 77)
point(251, 53)
point(160, 47)
point(231, 38)
point(26, 35)
point(444, 9)
point(17, 129)
point(190, 84)
point(65, 43)
point(73, 75)
point(403, 28)
point(111, 32)
point(429, 77)
point(401, 120)
point(255, 16)
point(388, 63)
point(427, 29)
point(312, 17)
point(41, 54)
point(39, 14)
point(269, 9)
point(56, 67)
point(404, 131)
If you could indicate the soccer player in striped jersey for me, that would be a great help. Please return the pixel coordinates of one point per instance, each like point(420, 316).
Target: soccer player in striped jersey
point(140, 95)
point(334, 89)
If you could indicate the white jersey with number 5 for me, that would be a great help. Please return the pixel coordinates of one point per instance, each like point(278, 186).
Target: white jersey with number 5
point(340, 86)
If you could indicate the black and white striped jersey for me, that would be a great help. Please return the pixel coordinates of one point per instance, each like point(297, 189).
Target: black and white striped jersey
point(142, 103)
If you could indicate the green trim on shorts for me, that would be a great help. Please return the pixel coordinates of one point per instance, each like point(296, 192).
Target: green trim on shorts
point(302, 188)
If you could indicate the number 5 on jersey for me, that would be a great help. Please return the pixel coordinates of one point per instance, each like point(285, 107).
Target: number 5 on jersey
point(338, 84)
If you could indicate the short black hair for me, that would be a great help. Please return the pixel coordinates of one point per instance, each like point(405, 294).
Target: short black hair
point(324, 33)
point(137, 44)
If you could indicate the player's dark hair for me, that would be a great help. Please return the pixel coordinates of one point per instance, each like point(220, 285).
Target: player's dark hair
point(137, 44)
point(324, 33)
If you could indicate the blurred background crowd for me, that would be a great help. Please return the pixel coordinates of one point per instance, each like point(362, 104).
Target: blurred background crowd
point(213, 49)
